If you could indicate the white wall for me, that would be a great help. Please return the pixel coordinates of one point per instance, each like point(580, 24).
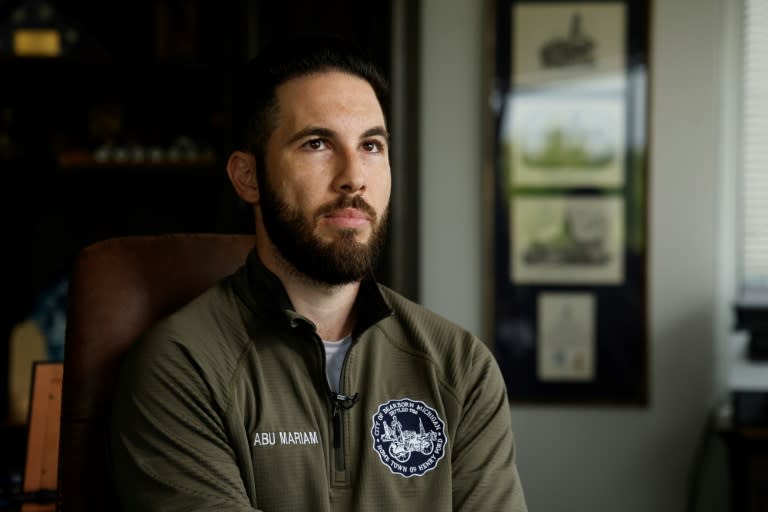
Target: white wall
point(584, 458)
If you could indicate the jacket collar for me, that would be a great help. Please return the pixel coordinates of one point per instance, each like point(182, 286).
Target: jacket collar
point(264, 294)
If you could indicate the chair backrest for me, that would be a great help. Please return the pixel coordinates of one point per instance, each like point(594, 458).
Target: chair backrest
point(118, 288)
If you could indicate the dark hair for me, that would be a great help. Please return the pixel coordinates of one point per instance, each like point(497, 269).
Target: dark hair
point(255, 103)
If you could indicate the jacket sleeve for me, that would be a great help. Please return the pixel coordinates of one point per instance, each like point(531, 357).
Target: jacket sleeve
point(484, 471)
point(169, 445)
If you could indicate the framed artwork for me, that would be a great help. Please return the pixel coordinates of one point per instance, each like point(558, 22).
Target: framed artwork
point(566, 195)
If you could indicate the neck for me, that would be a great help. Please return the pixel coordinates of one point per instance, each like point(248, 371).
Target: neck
point(330, 308)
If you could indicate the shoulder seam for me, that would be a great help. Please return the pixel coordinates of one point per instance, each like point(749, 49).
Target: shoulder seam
point(244, 349)
point(235, 374)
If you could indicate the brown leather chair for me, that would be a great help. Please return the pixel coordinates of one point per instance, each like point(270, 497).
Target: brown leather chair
point(118, 288)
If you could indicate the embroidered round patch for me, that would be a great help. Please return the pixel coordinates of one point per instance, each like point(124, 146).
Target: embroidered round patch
point(408, 436)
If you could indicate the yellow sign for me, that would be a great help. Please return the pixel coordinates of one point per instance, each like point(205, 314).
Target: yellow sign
point(37, 43)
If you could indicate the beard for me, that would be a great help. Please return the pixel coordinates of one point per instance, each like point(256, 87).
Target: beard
point(341, 261)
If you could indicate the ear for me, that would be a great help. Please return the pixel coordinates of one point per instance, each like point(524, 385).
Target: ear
point(241, 168)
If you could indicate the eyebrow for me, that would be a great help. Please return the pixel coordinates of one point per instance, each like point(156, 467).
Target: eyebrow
point(376, 131)
point(318, 131)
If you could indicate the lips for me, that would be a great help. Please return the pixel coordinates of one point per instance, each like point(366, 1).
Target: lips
point(347, 218)
point(348, 213)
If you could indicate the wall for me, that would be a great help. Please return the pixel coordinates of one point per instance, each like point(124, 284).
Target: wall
point(582, 458)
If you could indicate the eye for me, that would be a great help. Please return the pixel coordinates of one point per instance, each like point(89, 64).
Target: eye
point(373, 146)
point(315, 144)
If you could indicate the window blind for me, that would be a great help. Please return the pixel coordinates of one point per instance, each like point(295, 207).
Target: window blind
point(755, 144)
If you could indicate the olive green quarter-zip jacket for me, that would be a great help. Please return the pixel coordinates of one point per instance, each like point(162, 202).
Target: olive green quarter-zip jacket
point(225, 406)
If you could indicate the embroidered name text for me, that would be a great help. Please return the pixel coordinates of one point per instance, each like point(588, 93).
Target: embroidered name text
point(272, 438)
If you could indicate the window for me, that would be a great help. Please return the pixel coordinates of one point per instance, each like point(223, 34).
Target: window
point(755, 145)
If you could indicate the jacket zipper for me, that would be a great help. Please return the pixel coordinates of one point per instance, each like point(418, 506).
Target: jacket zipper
point(338, 445)
point(338, 403)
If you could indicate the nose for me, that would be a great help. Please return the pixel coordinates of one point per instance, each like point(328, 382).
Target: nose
point(350, 174)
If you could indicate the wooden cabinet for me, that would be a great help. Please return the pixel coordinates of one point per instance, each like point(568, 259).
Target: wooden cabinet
point(124, 132)
point(127, 131)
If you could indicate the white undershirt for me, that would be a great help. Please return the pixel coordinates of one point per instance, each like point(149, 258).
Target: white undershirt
point(334, 358)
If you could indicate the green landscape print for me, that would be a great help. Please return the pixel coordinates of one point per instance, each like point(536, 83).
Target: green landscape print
point(565, 141)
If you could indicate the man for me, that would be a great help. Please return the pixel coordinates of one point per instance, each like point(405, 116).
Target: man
point(299, 384)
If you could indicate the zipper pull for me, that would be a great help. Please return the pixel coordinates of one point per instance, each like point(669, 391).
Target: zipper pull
point(345, 401)
point(340, 402)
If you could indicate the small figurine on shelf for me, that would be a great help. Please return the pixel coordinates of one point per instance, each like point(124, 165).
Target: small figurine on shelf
point(50, 315)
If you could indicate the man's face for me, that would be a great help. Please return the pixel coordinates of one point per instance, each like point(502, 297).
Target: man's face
point(325, 190)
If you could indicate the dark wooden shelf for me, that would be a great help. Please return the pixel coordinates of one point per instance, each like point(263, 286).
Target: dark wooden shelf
point(73, 162)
